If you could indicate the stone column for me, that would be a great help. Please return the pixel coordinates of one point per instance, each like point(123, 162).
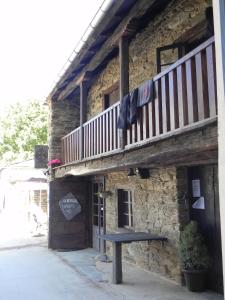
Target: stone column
point(219, 27)
point(63, 118)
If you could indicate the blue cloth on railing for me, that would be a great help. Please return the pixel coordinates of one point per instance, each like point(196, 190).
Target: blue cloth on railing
point(133, 106)
point(131, 102)
point(145, 93)
point(123, 119)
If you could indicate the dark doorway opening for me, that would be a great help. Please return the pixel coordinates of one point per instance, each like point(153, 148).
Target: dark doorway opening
point(203, 183)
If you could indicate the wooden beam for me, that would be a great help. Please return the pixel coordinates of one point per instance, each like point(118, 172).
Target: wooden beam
point(124, 75)
point(219, 28)
point(83, 114)
point(129, 29)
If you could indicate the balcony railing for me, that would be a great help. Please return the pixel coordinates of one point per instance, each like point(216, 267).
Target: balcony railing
point(185, 95)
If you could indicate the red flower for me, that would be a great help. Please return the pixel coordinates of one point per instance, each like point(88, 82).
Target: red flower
point(53, 162)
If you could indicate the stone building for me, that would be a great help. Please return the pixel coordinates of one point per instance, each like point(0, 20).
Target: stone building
point(160, 171)
point(24, 196)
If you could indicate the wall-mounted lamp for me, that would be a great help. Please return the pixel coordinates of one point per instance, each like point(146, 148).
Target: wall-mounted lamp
point(143, 173)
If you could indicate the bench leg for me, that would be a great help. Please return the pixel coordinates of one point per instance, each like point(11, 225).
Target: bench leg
point(117, 263)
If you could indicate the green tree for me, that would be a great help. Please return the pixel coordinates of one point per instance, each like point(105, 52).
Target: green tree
point(22, 127)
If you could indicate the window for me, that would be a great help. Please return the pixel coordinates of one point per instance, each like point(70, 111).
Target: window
point(168, 55)
point(111, 96)
point(125, 210)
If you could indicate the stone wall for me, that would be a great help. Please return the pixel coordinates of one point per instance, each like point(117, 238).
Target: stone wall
point(64, 117)
point(166, 28)
point(105, 80)
point(156, 205)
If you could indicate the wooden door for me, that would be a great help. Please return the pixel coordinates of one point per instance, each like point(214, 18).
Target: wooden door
point(97, 216)
point(208, 218)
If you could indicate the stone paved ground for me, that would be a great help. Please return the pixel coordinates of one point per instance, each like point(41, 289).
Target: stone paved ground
point(31, 271)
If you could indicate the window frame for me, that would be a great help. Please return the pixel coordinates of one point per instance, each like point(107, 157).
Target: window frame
point(120, 213)
point(180, 51)
point(106, 95)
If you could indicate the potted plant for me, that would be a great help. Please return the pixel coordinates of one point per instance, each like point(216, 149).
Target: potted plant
point(195, 257)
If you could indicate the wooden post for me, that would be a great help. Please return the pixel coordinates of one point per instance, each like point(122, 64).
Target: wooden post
point(124, 76)
point(219, 27)
point(117, 263)
point(83, 114)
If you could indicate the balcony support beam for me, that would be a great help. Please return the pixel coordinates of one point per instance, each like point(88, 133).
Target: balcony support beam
point(124, 76)
point(83, 114)
point(219, 27)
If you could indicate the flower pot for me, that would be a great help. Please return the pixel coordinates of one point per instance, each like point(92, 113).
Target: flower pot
point(195, 280)
point(54, 165)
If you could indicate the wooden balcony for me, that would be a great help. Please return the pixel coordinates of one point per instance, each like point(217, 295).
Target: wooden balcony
point(185, 99)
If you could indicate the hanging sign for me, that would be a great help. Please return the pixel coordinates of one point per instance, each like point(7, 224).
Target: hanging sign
point(196, 191)
point(70, 206)
point(199, 204)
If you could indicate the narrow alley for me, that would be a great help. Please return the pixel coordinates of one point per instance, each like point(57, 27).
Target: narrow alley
point(29, 270)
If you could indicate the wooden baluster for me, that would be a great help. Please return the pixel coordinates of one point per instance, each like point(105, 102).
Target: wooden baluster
point(77, 146)
point(165, 104)
point(145, 122)
point(94, 137)
point(84, 131)
point(100, 135)
point(70, 152)
point(182, 96)
point(115, 127)
point(66, 142)
point(89, 140)
point(78, 143)
point(118, 130)
point(62, 151)
point(107, 131)
point(174, 112)
point(140, 125)
point(111, 130)
point(86, 140)
point(158, 108)
point(128, 142)
point(202, 89)
point(67, 148)
point(97, 135)
point(72, 148)
point(210, 54)
point(151, 118)
point(71, 141)
point(191, 91)
point(103, 133)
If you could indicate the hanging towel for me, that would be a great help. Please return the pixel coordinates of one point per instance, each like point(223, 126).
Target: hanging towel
point(124, 112)
point(145, 93)
point(133, 106)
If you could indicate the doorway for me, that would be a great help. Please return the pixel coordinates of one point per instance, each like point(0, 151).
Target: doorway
point(98, 214)
point(204, 208)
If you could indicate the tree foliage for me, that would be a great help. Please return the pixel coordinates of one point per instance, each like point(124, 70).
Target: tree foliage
point(22, 127)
